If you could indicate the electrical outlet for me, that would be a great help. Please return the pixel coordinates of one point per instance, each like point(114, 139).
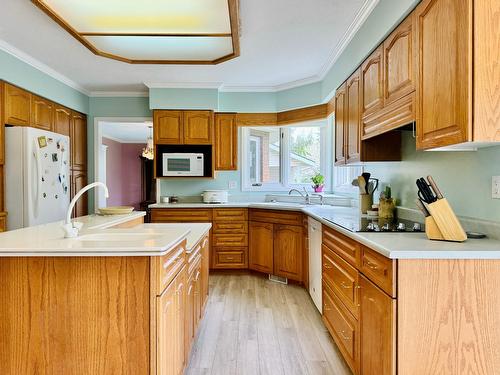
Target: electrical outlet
point(495, 187)
point(231, 185)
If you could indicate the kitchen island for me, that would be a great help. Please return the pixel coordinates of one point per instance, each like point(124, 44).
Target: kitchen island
point(117, 299)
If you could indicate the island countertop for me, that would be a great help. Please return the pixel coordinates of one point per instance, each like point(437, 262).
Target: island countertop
point(98, 238)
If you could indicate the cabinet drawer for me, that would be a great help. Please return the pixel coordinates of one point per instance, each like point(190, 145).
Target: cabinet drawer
point(168, 266)
point(230, 227)
point(342, 326)
point(230, 258)
point(230, 239)
point(181, 215)
point(379, 269)
point(344, 246)
point(342, 278)
point(230, 214)
point(276, 217)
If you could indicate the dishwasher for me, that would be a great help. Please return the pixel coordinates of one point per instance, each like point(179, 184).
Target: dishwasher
point(315, 272)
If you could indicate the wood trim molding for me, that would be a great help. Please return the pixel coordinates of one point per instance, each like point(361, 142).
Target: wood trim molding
point(80, 36)
point(316, 112)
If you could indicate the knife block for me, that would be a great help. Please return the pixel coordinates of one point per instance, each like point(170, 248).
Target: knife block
point(431, 229)
point(446, 221)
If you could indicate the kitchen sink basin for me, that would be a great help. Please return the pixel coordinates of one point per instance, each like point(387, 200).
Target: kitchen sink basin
point(112, 237)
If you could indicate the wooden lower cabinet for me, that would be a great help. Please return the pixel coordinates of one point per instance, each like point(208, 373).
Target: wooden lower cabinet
point(261, 251)
point(288, 251)
point(377, 327)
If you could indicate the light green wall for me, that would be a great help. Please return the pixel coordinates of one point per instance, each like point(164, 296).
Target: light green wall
point(24, 75)
point(247, 102)
point(463, 177)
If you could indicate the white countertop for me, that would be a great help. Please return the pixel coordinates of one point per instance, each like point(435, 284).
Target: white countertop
point(391, 245)
point(97, 238)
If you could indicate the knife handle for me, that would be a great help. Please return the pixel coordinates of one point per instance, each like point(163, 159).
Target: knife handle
point(439, 195)
point(422, 208)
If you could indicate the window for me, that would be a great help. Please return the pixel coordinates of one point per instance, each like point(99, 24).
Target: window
point(277, 158)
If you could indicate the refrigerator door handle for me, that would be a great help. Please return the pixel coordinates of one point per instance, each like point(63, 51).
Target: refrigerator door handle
point(38, 182)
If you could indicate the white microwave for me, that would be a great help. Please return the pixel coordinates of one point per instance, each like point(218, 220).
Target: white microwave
point(183, 164)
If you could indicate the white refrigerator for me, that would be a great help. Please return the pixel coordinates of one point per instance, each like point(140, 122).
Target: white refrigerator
point(37, 176)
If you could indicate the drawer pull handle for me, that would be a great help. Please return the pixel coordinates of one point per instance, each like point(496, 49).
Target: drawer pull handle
point(229, 258)
point(371, 265)
point(326, 308)
point(173, 259)
point(328, 266)
point(344, 336)
point(345, 286)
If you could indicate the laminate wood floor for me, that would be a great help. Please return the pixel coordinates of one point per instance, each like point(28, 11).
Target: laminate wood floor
point(254, 326)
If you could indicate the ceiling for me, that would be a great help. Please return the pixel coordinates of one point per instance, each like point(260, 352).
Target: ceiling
point(283, 43)
point(127, 132)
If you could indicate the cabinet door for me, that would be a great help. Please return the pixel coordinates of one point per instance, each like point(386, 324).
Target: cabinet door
point(353, 119)
point(399, 62)
point(42, 113)
point(261, 247)
point(17, 106)
point(226, 142)
point(78, 141)
point(444, 67)
point(198, 127)
point(190, 314)
point(205, 263)
point(288, 251)
point(166, 331)
point(372, 77)
point(340, 121)
point(180, 336)
point(62, 120)
point(197, 298)
point(78, 181)
point(378, 330)
point(168, 127)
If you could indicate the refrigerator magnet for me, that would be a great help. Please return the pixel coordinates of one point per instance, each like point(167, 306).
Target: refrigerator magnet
point(42, 141)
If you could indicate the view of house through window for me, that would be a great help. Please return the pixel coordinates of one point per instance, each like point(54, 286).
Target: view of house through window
point(279, 157)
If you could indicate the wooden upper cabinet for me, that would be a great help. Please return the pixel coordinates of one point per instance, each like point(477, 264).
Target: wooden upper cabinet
point(444, 89)
point(399, 62)
point(353, 119)
point(261, 247)
point(226, 142)
point(168, 127)
point(62, 120)
point(17, 106)
point(377, 330)
point(372, 78)
point(340, 120)
point(78, 141)
point(42, 113)
point(78, 181)
point(198, 127)
point(288, 251)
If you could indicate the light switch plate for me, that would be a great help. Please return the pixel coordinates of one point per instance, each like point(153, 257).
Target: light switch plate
point(231, 185)
point(495, 187)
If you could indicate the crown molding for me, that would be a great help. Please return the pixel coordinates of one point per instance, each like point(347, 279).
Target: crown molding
point(351, 31)
point(120, 94)
point(24, 57)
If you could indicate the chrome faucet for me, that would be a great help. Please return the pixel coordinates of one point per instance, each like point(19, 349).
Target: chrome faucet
point(306, 196)
point(71, 229)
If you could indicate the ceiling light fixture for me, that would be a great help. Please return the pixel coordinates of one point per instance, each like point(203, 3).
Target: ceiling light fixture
point(149, 152)
point(151, 31)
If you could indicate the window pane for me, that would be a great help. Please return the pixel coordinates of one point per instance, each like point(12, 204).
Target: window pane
point(264, 155)
point(305, 153)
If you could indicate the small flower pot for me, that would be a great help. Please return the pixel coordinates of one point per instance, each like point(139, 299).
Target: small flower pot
point(318, 189)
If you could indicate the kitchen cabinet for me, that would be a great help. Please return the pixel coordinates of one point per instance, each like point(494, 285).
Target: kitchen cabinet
point(261, 250)
point(17, 106)
point(3, 221)
point(276, 246)
point(183, 127)
point(372, 97)
point(340, 115)
point(205, 265)
point(180, 316)
point(352, 121)
point(377, 327)
point(79, 181)
point(42, 113)
point(62, 120)
point(168, 127)
point(198, 127)
point(288, 251)
point(78, 141)
point(230, 238)
point(226, 142)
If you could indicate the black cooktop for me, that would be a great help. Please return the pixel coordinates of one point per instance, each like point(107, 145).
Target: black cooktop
point(368, 224)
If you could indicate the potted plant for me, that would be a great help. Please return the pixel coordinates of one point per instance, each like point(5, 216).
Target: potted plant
point(319, 182)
